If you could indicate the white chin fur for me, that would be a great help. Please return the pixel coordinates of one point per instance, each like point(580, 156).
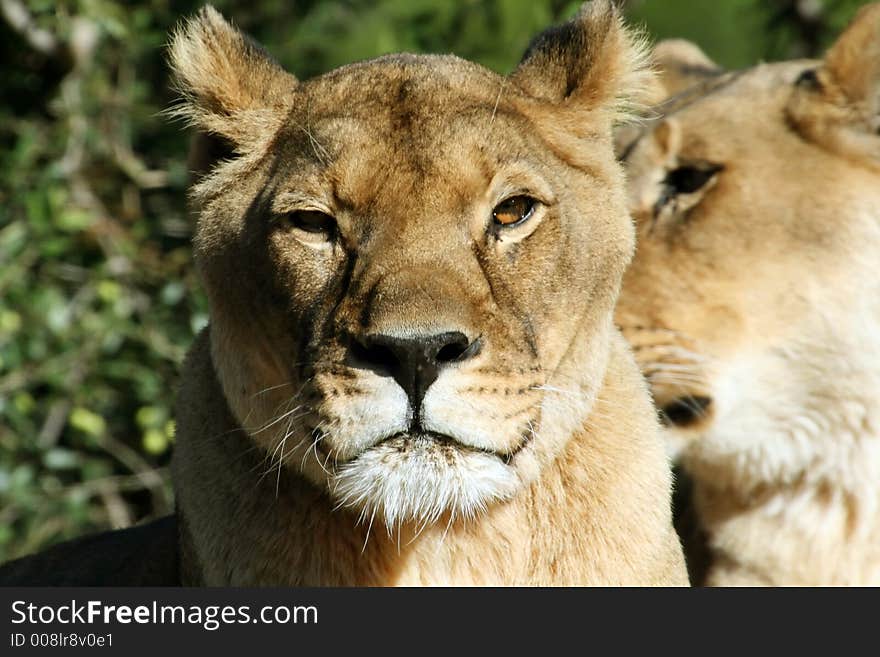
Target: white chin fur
point(420, 482)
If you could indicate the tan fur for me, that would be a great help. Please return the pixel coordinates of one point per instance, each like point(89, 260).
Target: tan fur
point(842, 111)
point(758, 294)
point(681, 64)
point(591, 518)
point(682, 72)
point(296, 464)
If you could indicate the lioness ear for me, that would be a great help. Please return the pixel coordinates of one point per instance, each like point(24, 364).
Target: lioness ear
point(853, 64)
point(838, 104)
point(682, 64)
point(231, 87)
point(591, 61)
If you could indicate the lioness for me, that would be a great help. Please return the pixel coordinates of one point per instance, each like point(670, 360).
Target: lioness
point(412, 374)
point(753, 303)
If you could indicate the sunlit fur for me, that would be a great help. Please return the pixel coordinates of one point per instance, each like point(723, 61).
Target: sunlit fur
point(535, 460)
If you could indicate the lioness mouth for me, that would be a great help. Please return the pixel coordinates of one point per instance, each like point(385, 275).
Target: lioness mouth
point(406, 441)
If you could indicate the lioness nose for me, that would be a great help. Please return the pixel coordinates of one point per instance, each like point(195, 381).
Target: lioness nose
point(413, 362)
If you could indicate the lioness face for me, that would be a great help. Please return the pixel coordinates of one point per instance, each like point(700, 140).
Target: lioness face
point(752, 219)
point(412, 271)
point(710, 226)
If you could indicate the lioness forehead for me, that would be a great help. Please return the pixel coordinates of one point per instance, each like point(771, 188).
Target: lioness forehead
point(406, 101)
point(400, 124)
point(393, 79)
point(742, 93)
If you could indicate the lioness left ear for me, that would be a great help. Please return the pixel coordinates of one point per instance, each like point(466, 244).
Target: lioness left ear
point(838, 104)
point(592, 62)
point(231, 88)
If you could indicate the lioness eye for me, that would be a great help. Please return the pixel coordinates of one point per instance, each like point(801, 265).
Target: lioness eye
point(809, 79)
point(513, 210)
point(312, 221)
point(689, 179)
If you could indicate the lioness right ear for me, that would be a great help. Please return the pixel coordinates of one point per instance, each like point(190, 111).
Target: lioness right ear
point(233, 92)
point(853, 64)
point(592, 62)
point(682, 64)
point(838, 104)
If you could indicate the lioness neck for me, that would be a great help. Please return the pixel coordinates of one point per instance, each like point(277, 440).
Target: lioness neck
point(820, 526)
point(789, 494)
point(570, 527)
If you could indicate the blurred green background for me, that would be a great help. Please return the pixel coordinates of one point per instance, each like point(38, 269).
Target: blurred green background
point(98, 298)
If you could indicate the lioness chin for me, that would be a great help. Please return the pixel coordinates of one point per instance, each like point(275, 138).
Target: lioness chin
point(753, 303)
point(411, 375)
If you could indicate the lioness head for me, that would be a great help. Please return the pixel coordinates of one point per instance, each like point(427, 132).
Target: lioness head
point(412, 261)
point(752, 299)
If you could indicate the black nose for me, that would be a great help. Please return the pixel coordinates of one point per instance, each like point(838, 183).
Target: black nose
point(686, 411)
point(413, 362)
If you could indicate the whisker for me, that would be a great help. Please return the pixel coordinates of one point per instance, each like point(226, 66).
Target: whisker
point(369, 529)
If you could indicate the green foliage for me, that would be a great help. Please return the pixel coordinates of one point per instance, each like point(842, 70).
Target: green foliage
point(98, 297)
point(739, 33)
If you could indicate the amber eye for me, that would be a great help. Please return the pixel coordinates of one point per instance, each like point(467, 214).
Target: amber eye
point(313, 222)
point(514, 210)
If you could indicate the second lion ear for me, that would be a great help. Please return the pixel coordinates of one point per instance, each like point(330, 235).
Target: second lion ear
point(853, 64)
point(837, 105)
point(233, 92)
point(682, 64)
point(591, 62)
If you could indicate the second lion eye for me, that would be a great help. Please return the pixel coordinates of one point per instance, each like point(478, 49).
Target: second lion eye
point(514, 210)
point(316, 224)
point(689, 179)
